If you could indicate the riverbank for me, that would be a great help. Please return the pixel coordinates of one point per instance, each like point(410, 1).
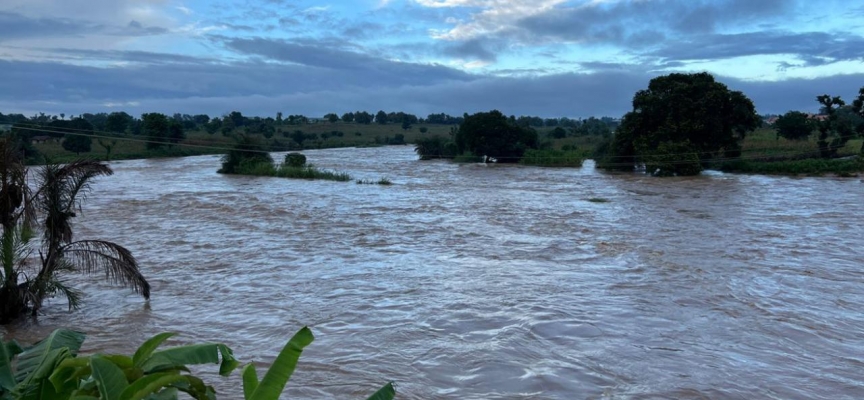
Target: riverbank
point(762, 152)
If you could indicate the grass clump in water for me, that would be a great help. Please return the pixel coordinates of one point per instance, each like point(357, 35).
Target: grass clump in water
point(599, 200)
point(382, 181)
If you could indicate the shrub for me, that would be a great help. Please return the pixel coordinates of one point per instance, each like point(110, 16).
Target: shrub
point(247, 151)
point(295, 160)
point(429, 148)
point(309, 172)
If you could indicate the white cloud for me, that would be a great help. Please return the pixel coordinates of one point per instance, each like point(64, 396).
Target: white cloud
point(495, 16)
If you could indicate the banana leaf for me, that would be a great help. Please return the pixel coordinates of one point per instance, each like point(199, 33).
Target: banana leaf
point(109, 378)
point(277, 376)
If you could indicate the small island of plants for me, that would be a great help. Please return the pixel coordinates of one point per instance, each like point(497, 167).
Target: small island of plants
point(247, 158)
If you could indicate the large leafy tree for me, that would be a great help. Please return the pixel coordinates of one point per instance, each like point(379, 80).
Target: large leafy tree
point(841, 123)
point(692, 115)
point(118, 122)
point(156, 129)
point(794, 125)
point(493, 134)
point(858, 108)
point(77, 137)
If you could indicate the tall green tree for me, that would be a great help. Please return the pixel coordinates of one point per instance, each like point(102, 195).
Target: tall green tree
point(692, 115)
point(155, 127)
point(77, 137)
point(77, 143)
point(381, 117)
point(493, 134)
point(830, 137)
point(118, 122)
point(794, 125)
point(858, 108)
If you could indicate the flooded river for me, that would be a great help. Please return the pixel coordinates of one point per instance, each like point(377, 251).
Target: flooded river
point(498, 282)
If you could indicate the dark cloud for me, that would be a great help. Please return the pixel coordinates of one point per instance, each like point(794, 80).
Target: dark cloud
point(136, 29)
point(265, 88)
point(640, 22)
point(142, 57)
point(363, 30)
point(816, 48)
point(475, 49)
point(354, 67)
point(17, 26)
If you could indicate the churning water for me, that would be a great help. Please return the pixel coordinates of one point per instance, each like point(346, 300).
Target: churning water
point(485, 282)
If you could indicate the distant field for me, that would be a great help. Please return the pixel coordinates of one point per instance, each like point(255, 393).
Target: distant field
point(200, 142)
point(762, 144)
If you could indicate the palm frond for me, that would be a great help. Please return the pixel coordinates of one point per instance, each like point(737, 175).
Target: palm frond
point(73, 296)
point(15, 250)
point(115, 261)
point(78, 173)
point(14, 191)
point(62, 189)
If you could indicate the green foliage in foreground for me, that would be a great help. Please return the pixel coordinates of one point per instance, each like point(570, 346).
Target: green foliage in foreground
point(52, 369)
point(553, 158)
point(813, 166)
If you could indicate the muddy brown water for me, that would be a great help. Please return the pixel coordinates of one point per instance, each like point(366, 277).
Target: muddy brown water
point(490, 282)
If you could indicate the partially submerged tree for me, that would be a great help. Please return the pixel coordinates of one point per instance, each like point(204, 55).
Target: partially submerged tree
point(680, 121)
point(246, 151)
point(494, 135)
point(26, 281)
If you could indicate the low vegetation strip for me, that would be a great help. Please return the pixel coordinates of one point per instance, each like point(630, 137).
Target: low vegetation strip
point(286, 171)
point(840, 167)
point(554, 158)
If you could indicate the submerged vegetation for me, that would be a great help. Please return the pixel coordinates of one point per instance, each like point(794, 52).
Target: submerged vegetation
point(554, 158)
point(53, 369)
point(247, 158)
point(813, 166)
point(382, 181)
point(47, 208)
point(684, 123)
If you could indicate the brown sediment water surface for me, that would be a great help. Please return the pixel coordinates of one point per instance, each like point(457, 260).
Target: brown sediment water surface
point(489, 282)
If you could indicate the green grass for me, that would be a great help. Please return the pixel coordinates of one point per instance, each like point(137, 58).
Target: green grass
point(201, 143)
point(308, 172)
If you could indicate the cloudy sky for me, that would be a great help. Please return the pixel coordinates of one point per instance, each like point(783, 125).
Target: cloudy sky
point(549, 58)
